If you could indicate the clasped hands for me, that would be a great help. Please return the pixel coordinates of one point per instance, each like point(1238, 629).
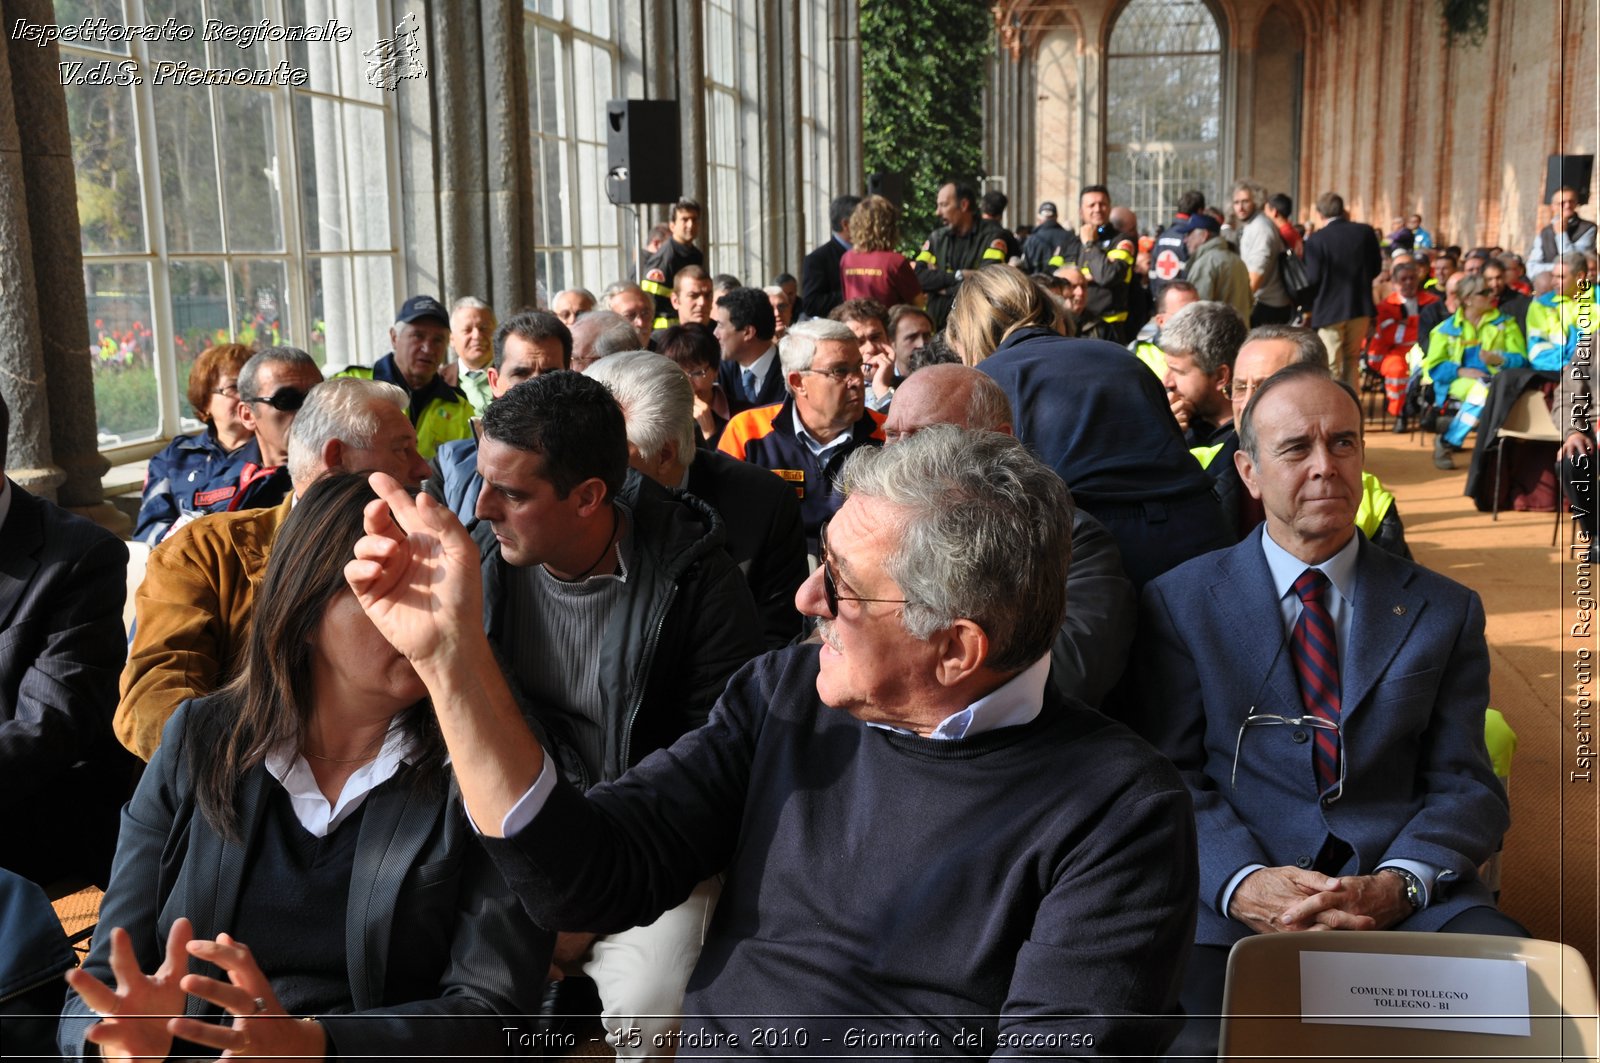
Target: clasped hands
point(141, 1017)
point(1279, 899)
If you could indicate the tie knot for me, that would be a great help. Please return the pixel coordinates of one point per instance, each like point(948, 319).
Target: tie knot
point(1310, 585)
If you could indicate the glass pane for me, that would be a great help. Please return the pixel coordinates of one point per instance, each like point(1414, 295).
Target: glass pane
point(1156, 27)
point(250, 170)
point(549, 87)
point(122, 349)
point(183, 13)
point(319, 60)
point(261, 304)
point(184, 145)
point(376, 301)
point(366, 30)
point(329, 282)
point(235, 46)
point(322, 183)
point(554, 217)
point(105, 152)
point(69, 12)
point(367, 162)
point(199, 313)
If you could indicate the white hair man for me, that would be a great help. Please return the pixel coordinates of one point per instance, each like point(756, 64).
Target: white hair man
point(859, 792)
point(806, 438)
point(760, 514)
point(193, 608)
point(472, 326)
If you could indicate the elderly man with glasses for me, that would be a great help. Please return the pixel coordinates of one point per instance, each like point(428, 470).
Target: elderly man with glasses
point(806, 438)
point(1336, 758)
point(922, 846)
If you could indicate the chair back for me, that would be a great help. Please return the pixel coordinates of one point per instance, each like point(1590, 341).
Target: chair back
point(1529, 418)
point(1262, 1002)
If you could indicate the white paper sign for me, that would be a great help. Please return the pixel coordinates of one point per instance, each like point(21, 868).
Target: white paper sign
point(1420, 992)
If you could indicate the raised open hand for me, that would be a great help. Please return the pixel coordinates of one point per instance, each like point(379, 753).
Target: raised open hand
point(416, 574)
point(260, 1028)
point(134, 1016)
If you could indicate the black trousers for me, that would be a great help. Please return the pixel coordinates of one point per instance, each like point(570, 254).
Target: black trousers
point(1203, 980)
point(1262, 314)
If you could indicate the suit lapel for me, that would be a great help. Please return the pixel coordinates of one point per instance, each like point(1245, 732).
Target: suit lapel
point(397, 822)
point(20, 539)
point(1245, 599)
point(1385, 610)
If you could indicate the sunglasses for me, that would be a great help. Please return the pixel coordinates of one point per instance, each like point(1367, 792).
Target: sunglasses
point(830, 589)
point(284, 400)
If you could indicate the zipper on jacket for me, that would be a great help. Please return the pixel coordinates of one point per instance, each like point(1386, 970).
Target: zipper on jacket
point(644, 678)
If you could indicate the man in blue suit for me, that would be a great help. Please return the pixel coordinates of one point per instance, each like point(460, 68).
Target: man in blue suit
point(751, 374)
point(1324, 702)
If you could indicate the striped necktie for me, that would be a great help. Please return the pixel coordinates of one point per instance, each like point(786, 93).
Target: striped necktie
point(1316, 665)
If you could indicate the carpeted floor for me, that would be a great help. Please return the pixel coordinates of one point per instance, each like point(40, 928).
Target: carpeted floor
point(1531, 595)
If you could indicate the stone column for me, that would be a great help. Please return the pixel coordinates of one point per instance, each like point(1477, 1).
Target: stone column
point(47, 375)
point(692, 99)
point(508, 163)
point(457, 79)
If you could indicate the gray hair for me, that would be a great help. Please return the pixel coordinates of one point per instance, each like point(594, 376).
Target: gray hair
point(987, 536)
point(1209, 332)
point(250, 372)
point(1318, 370)
point(612, 333)
point(657, 401)
point(988, 407)
point(1308, 348)
point(342, 409)
point(469, 302)
point(616, 288)
point(799, 345)
point(1574, 261)
point(1470, 285)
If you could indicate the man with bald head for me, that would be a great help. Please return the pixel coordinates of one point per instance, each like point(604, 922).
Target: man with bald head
point(571, 302)
point(599, 333)
point(1091, 648)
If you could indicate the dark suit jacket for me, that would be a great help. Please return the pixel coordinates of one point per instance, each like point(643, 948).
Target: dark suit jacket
point(437, 947)
point(1415, 685)
point(761, 519)
point(1092, 646)
point(821, 282)
point(1342, 261)
point(770, 390)
point(63, 580)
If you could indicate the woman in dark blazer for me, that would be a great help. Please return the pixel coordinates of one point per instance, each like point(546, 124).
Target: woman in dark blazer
point(307, 810)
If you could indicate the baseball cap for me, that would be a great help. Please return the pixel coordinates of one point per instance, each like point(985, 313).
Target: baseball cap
point(1047, 207)
point(1200, 220)
point(422, 306)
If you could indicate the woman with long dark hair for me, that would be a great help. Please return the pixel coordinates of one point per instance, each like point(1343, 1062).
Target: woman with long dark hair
point(306, 809)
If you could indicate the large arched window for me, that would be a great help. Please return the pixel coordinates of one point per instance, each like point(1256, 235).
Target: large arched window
point(1163, 105)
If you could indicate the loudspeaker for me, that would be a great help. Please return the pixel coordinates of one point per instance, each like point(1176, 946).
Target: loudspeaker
point(889, 184)
point(1574, 171)
point(642, 163)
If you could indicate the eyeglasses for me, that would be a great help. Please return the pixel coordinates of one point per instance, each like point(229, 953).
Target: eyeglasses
point(229, 392)
point(1316, 723)
point(699, 374)
point(284, 400)
point(841, 374)
point(830, 589)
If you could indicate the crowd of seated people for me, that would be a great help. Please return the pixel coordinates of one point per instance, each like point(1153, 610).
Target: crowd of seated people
point(726, 644)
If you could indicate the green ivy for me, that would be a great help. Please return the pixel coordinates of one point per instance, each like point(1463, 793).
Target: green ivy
point(924, 64)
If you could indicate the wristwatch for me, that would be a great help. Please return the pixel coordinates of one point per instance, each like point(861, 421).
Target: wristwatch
point(1416, 896)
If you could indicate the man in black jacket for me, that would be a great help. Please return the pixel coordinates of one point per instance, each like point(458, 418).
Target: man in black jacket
point(1049, 240)
point(821, 283)
point(1342, 261)
point(621, 618)
point(965, 242)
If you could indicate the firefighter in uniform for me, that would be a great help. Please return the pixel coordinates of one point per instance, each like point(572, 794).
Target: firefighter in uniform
point(675, 253)
point(1106, 261)
point(965, 241)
